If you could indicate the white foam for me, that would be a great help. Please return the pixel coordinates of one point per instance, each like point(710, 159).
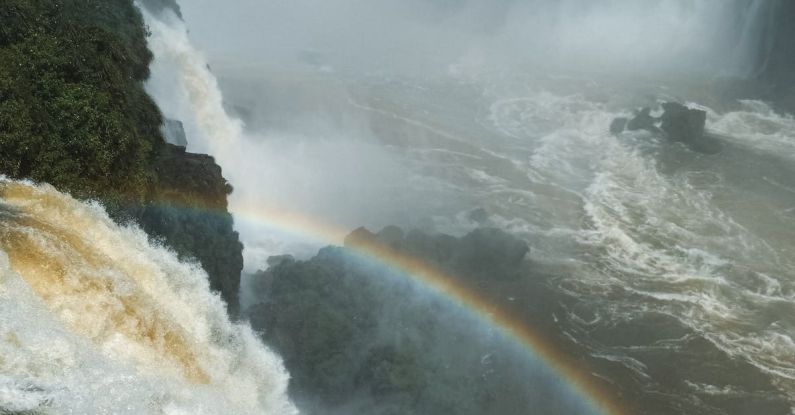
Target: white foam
point(756, 125)
point(95, 320)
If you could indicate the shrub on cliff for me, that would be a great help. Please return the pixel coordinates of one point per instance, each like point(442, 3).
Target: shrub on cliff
point(73, 110)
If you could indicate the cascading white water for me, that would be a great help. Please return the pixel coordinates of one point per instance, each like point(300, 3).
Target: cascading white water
point(184, 88)
point(97, 320)
point(287, 171)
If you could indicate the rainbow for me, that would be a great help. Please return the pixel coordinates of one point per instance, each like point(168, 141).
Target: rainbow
point(442, 283)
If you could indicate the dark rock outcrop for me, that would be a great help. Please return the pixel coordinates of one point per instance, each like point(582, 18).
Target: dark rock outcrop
point(681, 123)
point(643, 121)
point(485, 253)
point(357, 338)
point(188, 212)
point(490, 253)
point(678, 123)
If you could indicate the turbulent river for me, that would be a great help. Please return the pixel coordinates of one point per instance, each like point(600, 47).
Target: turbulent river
point(680, 262)
point(663, 246)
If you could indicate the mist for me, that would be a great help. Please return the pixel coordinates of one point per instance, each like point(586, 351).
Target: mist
point(293, 71)
point(426, 37)
point(457, 116)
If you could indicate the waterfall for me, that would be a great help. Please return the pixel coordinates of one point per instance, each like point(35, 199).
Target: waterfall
point(96, 320)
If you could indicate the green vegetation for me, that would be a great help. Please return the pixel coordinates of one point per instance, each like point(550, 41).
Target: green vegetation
point(73, 110)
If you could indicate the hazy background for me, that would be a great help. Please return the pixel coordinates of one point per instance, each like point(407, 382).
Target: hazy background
point(421, 35)
point(308, 78)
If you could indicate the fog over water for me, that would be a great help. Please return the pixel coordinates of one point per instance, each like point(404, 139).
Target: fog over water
point(424, 36)
point(673, 267)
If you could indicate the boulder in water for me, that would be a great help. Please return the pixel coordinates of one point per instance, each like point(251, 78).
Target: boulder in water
point(618, 125)
point(678, 123)
point(643, 121)
point(681, 123)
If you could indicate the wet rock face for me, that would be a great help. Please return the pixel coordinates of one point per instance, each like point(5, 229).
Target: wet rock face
point(485, 253)
point(188, 213)
point(360, 340)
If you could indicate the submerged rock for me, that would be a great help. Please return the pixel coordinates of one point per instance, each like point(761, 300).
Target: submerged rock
point(681, 123)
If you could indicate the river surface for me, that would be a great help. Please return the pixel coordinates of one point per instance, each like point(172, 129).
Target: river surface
point(680, 262)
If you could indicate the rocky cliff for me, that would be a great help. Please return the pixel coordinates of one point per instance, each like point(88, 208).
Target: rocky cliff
point(358, 338)
point(188, 211)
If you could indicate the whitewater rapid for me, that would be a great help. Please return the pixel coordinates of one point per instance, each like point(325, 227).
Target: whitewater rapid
point(95, 319)
point(658, 229)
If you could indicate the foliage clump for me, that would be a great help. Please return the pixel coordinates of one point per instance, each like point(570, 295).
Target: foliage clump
point(73, 109)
